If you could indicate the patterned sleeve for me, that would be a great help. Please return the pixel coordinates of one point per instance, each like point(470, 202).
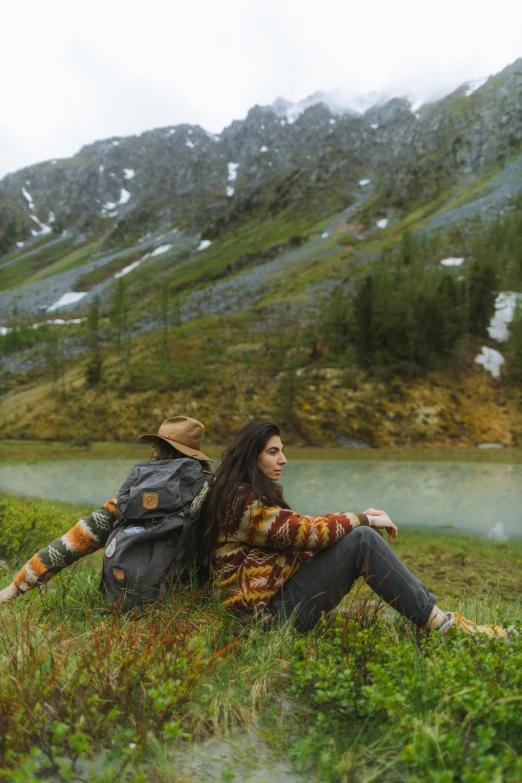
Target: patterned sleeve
point(280, 528)
point(85, 537)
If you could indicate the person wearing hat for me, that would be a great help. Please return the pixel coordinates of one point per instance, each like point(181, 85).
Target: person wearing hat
point(178, 437)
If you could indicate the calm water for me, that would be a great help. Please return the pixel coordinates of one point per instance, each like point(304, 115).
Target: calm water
point(475, 498)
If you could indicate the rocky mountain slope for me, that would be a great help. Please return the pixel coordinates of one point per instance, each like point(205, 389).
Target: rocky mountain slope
point(261, 227)
point(184, 174)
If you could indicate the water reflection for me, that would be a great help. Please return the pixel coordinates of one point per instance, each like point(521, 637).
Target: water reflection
point(476, 498)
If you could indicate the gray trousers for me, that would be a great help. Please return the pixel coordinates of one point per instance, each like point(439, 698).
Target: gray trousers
point(320, 583)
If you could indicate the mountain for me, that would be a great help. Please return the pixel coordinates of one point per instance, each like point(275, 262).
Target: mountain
point(181, 173)
point(273, 216)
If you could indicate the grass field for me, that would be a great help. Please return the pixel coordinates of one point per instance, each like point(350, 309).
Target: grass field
point(35, 451)
point(185, 693)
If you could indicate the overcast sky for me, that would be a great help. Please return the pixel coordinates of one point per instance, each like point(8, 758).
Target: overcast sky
point(74, 72)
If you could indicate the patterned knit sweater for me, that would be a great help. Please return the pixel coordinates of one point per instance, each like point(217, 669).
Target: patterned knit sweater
point(256, 557)
point(253, 560)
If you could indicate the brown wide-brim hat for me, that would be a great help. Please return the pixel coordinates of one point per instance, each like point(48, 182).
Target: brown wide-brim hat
point(185, 434)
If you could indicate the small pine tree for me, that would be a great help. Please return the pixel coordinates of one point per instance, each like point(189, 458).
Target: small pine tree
point(93, 371)
point(8, 237)
point(119, 317)
point(407, 250)
point(482, 290)
point(164, 304)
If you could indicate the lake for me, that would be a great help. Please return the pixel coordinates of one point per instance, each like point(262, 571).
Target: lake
point(484, 499)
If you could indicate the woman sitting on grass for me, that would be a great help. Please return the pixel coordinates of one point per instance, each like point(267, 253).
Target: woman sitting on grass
point(269, 560)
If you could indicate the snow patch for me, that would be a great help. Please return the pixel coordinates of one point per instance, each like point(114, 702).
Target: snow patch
point(230, 191)
point(497, 532)
point(416, 104)
point(61, 322)
point(67, 299)
point(204, 244)
point(159, 250)
point(172, 131)
point(283, 123)
point(3, 331)
point(124, 196)
point(364, 182)
point(232, 171)
point(127, 269)
point(115, 143)
point(332, 122)
point(20, 244)
point(189, 144)
point(325, 235)
point(264, 148)
point(262, 127)
point(28, 198)
point(107, 209)
point(43, 228)
point(505, 306)
point(374, 125)
point(491, 360)
point(190, 132)
point(101, 168)
point(452, 261)
point(475, 85)
point(129, 173)
point(382, 223)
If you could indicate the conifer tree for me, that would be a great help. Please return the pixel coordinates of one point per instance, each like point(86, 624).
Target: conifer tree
point(482, 290)
point(164, 306)
point(93, 372)
point(8, 237)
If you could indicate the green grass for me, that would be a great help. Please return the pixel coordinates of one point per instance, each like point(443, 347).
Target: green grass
point(102, 273)
point(23, 270)
point(12, 451)
point(252, 237)
point(89, 694)
point(72, 260)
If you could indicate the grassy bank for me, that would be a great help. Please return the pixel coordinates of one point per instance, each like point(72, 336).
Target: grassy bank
point(35, 450)
point(186, 694)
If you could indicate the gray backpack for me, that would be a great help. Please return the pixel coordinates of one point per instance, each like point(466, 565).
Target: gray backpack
point(151, 548)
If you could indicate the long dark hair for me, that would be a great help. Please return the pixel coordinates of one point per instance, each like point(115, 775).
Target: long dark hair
point(236, 477)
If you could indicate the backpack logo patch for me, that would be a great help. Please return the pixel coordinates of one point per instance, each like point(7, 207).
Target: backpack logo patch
point(111, 548)
point(150, 500)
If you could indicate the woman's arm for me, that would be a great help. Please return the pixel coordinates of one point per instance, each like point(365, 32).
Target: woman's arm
point(85, 537)
point(280, 528)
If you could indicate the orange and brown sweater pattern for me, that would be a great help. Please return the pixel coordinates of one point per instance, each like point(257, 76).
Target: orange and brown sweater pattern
point(256, 557)
point(85, 537)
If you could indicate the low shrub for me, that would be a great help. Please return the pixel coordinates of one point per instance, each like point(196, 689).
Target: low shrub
point(28, 524)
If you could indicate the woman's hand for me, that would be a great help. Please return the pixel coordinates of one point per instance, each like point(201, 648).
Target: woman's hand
point(9, 592)
point(380, 519)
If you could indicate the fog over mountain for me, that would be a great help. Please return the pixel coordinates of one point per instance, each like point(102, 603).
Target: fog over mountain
point(74, 77)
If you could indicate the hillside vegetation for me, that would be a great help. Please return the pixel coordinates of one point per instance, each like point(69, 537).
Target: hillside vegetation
point(311, 291)
point(186, 692)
